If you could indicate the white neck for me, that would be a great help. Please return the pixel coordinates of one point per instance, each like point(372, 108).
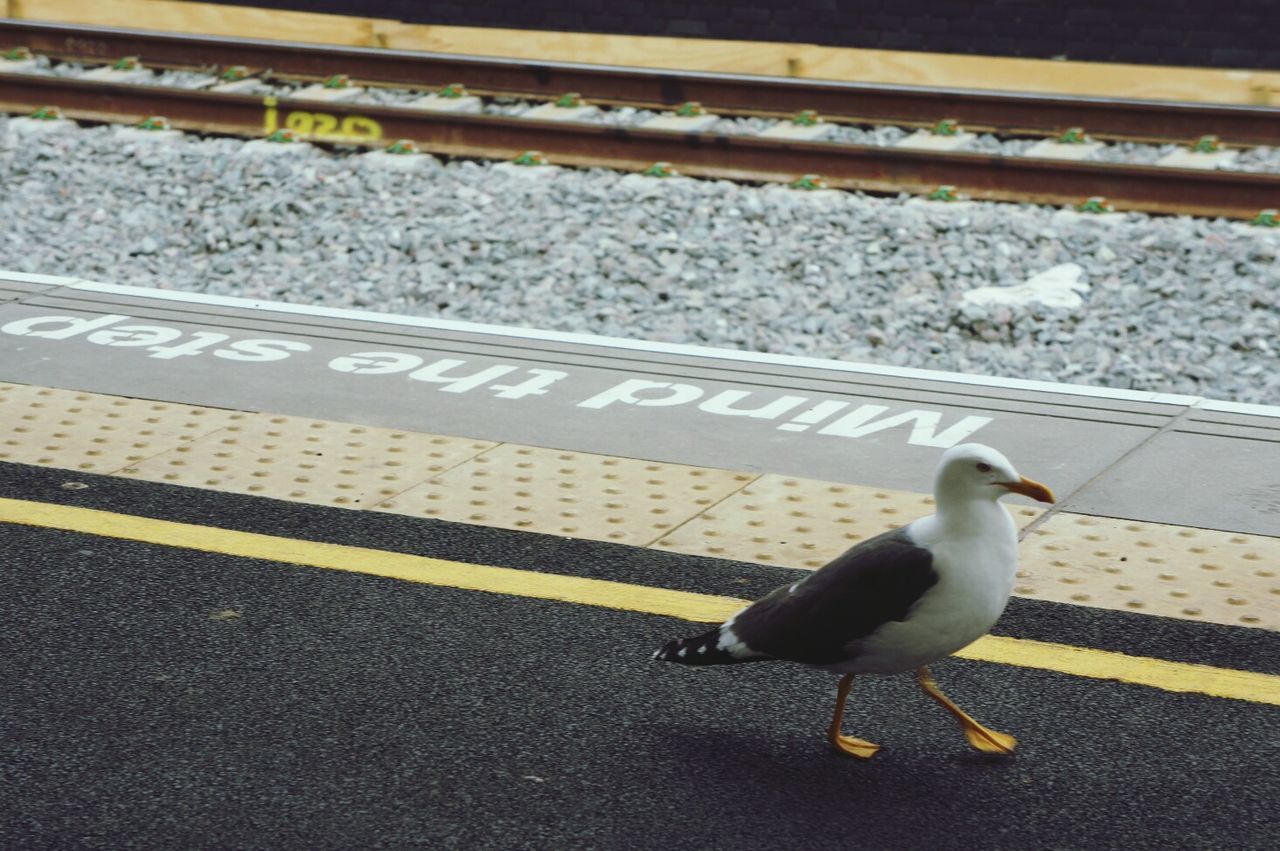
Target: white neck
point(961, 509)
point(970, 515)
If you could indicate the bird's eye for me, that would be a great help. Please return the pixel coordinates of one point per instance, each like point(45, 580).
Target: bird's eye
point(984, 468)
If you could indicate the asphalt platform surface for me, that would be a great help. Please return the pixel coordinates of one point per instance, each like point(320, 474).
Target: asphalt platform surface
point(341, 710)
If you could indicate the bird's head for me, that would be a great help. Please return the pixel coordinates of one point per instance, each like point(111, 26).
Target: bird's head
point(974, 471)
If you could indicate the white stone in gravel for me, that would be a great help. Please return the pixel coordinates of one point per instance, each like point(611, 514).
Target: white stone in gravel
point(209, 82)
point(399, 162)
point(1272, 235)
point(643, 186)
point(939, 206)
point(798, 132)
point(1059, 287)
point(1051, 149)
point(527, 172)
point(828, 197)
point(137, 134)
point(325, 95)
point(37, 127)
point(1074, 217)
point(107, 74)
point(923, 140)
point(263, 148)
point(1208, 161)
point(435, 103)
point(681, 123)
point(551, 112)
point(248, 84)
point(17, 66)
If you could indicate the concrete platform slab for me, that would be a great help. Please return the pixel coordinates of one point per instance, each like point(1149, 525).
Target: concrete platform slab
point(15, 286)
point(1215, 481)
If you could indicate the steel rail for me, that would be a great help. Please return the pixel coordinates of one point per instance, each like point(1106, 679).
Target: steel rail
point(1149, 188)
point(1003, 112)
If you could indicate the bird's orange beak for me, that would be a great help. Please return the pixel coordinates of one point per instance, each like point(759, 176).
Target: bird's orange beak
point(1029, 487)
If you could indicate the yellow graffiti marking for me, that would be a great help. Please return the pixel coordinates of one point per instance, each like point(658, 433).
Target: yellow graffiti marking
point(320, 126)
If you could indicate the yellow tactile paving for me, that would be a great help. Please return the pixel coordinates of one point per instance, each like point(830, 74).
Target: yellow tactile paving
point(93, 432)
point(1174, 571)
point(308, 460)
point(801, 522)
point(570, 493)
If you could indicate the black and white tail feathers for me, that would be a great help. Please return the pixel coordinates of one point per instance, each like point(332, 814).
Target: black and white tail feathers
point(699, 650)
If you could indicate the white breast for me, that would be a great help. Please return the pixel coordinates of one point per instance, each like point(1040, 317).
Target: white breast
point(976, 569)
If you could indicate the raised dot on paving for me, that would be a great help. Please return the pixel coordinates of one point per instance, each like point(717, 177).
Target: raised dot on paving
point(530, 487)
point(315, 461)
point(98, 433)
point(1215, 571)
point(802, 522)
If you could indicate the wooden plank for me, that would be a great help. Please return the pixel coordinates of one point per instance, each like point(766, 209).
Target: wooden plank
point(1098, 79)
point(208, 18)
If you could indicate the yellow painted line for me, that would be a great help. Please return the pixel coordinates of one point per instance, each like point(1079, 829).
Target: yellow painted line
point(707, 608)
point(412, 568)
point(1139, 670)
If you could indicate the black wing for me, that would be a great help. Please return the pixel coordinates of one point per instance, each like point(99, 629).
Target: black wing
point(871, 584)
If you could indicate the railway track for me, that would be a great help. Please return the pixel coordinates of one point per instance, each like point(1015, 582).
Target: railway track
point(997, 112)
point(1157, 189)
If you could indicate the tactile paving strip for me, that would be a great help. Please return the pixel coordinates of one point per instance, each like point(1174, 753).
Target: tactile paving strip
point(801, 522)
point(1165, 570)
point(1174, 571)
point(93, 432)
point(569, 493)
point(307, 460)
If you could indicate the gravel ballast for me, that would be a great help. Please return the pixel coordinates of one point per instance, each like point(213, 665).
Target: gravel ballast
point(1173, 304)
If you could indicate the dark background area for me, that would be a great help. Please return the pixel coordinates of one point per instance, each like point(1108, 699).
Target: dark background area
point(1229, 34)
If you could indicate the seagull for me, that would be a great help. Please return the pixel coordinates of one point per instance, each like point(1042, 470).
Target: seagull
point(895, 602)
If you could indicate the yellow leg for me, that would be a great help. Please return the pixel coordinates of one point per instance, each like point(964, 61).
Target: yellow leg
point(847, 744)
point(985, 740)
